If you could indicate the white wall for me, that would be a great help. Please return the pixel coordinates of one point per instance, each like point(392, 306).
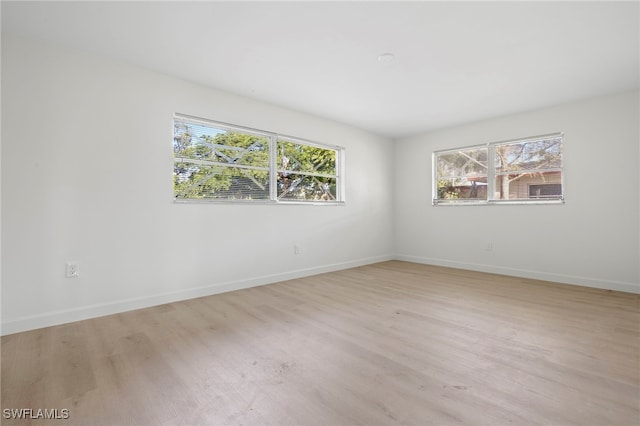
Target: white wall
point(87, 176)
point(591, 240)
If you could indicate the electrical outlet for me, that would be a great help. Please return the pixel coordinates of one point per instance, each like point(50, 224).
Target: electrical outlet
point(296, 249)
point(73, 269)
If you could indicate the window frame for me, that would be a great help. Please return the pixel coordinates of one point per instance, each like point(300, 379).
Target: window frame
point(492, 175)
point(272, 168)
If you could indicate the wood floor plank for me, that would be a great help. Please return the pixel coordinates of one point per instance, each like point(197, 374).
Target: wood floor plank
point(383, 344)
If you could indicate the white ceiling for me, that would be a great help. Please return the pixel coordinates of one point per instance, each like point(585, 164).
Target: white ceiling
point(455, 62)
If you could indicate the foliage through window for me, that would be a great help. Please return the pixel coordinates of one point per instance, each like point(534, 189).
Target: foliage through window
point(462, 174)
point(525, 170)
point(215, 161)
point(306, 172)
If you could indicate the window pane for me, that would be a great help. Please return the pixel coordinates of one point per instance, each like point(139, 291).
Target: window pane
point(298, 157)
point(462, 174)
point(467, 162)
point(540, 154)
point(216, 163)
point(200, 142)
point(523, 164)
point(306, 187)
point(306, 172)
point(197, 181)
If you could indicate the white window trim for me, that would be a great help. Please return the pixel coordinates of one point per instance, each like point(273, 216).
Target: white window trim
point(491, 175)
point(273, 169)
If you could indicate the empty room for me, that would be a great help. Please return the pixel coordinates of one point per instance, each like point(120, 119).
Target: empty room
point(320, 213)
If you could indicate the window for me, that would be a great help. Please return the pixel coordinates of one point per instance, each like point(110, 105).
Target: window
point(215, 161)
point(522, 171)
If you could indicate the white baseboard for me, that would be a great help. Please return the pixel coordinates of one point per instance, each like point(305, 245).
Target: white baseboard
point(627, 287)
point(48, 319)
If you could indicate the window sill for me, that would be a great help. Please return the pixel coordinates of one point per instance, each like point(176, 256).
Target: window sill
point(495, 202)
point(258, 202)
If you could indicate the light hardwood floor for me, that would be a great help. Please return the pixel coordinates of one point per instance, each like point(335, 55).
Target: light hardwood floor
point(390, 343)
